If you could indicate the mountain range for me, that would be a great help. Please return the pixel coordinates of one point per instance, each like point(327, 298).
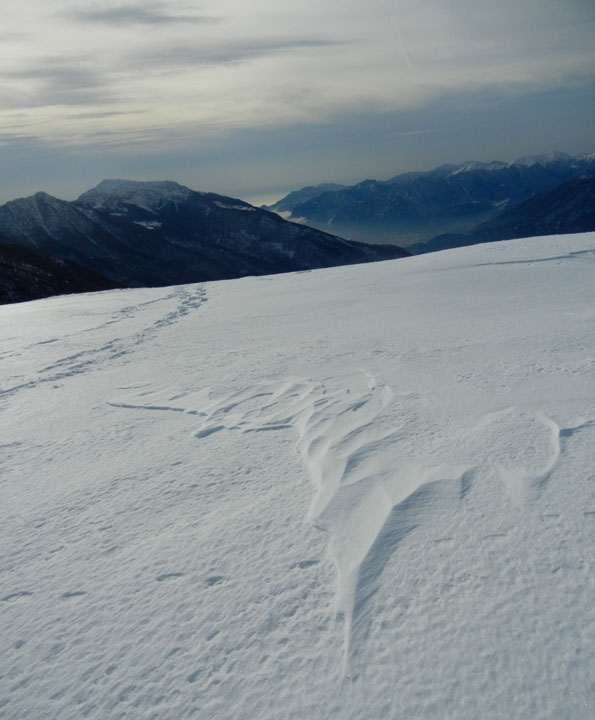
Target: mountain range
point(415, 207)
point(126, 233)
point(569, 208)
point(136, 234)
point(288, 203)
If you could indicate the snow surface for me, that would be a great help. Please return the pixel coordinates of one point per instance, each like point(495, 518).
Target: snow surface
point(363, 492)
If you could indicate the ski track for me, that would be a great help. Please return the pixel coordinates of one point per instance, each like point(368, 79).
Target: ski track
point(186, 300)
point(586, 255)
point(367, 496)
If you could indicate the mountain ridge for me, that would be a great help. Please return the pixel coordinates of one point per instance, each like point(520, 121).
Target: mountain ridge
point(155, 233)
point(416, 206)
point(568, 208)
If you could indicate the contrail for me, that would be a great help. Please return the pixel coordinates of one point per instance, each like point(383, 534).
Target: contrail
point(408, 61)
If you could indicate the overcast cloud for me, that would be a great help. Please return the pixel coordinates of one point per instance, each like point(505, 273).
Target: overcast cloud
point(148, 81)
point(148, 13)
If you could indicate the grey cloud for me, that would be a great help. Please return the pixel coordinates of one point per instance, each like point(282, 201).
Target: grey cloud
point(104, 114)
point(229, 53)
point(13, 37)
point(64, 72)
point(16, 139)
point(58, 82)
point(137, 14)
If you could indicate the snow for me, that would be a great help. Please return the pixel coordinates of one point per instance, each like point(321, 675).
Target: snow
point(236, 206)
point(526, 161)
point(147, 195)
point(363, 492)
point(473, 166)
point(553, 156)
point(148, 224)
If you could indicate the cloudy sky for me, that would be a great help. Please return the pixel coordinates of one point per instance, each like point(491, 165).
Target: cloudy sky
point(252, 99)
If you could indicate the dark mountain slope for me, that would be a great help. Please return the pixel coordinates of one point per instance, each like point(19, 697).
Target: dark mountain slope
point(290, 201)
point(569, 208)
point(29, 274)
point(136, 234)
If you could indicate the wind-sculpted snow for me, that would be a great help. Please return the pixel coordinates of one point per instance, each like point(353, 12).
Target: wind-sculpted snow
point(367, 496)
point(359, 493)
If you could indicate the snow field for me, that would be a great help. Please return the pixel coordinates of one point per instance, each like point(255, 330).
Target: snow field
point(353, 493)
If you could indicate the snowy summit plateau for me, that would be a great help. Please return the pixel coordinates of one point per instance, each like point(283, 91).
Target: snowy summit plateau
point(361, 492)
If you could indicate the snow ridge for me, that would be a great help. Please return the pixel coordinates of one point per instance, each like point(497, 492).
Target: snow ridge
point(367, 496)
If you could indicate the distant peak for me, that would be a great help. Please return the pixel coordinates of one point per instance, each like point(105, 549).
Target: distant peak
point(124, 186)
point(35, 199)
point(553, 156)
point(149, 195)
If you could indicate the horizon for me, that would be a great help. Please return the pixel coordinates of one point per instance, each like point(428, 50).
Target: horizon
point(271, 198)
point(255, 101)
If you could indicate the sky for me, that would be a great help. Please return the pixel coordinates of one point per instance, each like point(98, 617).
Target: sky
point(255, 99)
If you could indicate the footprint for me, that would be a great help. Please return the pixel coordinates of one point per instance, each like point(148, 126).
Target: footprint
point(306, 564)
point(169, 576)
point(212, 635)
point(214, 580)
point(16, 596)
point(193, 677)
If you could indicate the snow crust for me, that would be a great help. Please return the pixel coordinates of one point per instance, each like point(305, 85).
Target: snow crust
point(363, 492)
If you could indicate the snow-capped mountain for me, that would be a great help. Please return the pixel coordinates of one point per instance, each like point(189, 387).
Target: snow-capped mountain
point(118, 195)
point(160, 233)
point(357, 493)
point(414, 207)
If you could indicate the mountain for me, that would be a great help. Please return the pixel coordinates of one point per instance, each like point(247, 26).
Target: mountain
point(569, 208)
point(30, 274)
point(289, 202)
point(364, 493)
point(160, 233)
point(414, 207)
